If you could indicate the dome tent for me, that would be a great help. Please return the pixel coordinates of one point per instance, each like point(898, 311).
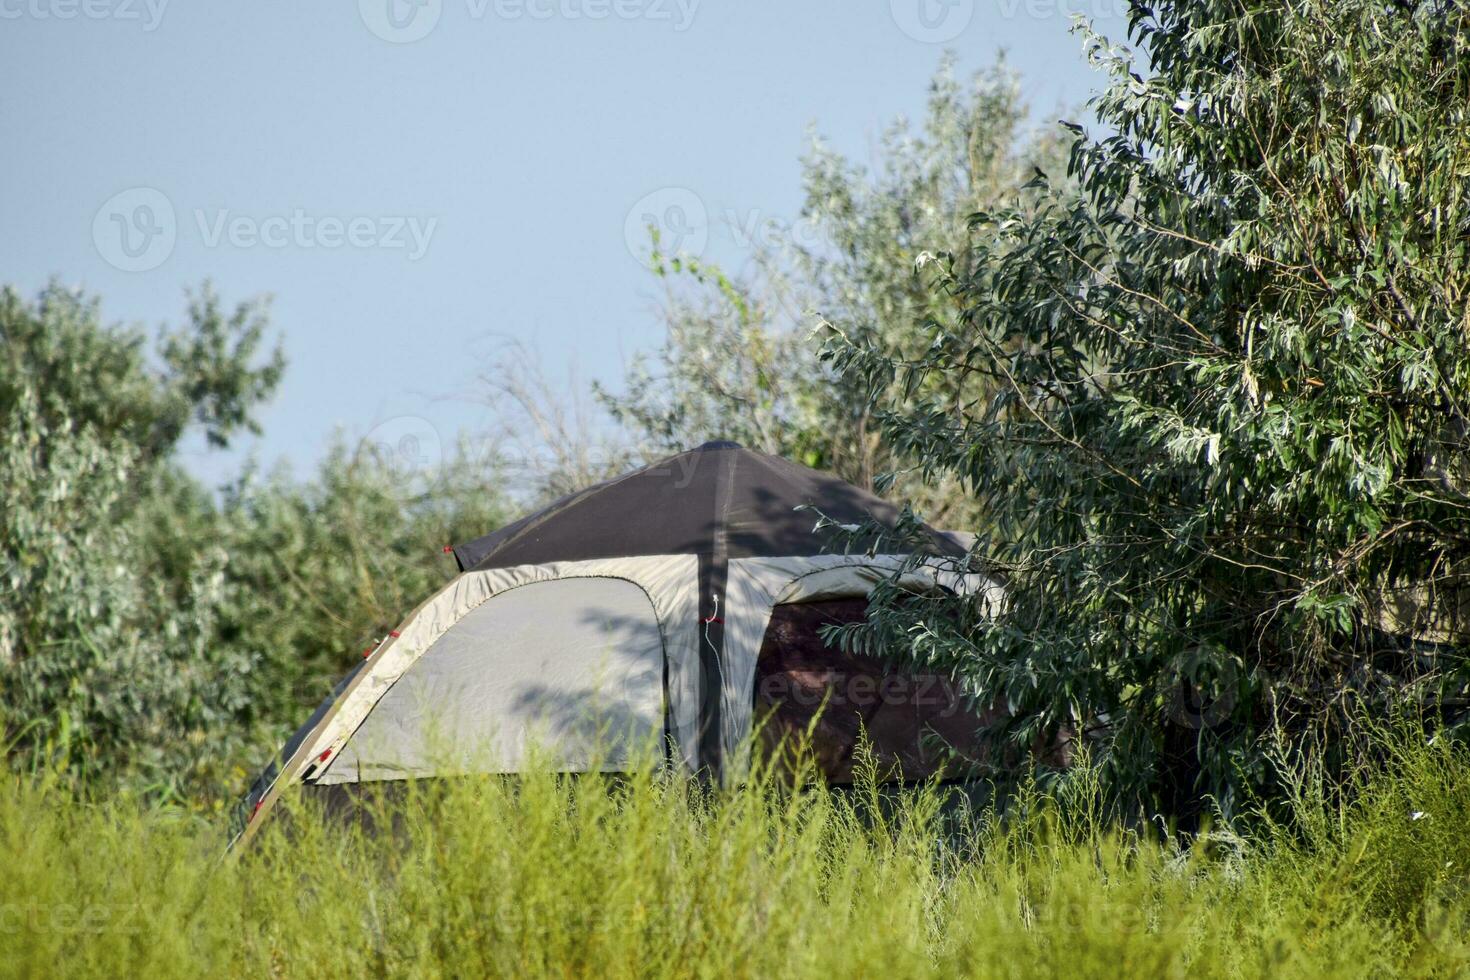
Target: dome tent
point(633, 610)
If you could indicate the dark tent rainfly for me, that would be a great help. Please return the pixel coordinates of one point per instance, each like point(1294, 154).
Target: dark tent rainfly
point(673, 603)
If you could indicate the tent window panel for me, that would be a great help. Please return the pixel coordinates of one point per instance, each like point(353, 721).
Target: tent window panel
point(567, 674)
point(908, 718)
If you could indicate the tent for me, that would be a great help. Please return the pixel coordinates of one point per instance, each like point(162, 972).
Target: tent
point(641, 609)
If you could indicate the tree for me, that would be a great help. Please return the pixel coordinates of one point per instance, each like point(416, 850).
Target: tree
point(105, 657)
point(738, 361)
point(159, 635)
point(1225, 459)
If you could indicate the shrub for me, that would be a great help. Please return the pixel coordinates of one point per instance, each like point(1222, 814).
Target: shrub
point(1224, 464)
point(648, 876)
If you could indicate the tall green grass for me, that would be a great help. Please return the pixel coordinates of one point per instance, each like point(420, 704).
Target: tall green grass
point(649, 876)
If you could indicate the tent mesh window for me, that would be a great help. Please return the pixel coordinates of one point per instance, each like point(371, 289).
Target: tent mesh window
point(916, 724)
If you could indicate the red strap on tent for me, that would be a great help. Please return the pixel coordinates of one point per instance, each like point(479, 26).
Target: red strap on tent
point(256, 810)
point(325, 752)
point(369, 651)
point(713, 619)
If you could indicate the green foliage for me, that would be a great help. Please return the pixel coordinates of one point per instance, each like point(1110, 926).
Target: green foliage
point(562, 876)
point(68, 374)
point(154, 634)
point(103, 660)
point(738, 363)
point(1224, 462)
point(322, 570)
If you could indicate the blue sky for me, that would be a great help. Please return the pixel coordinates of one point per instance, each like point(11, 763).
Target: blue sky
point(418, 182)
